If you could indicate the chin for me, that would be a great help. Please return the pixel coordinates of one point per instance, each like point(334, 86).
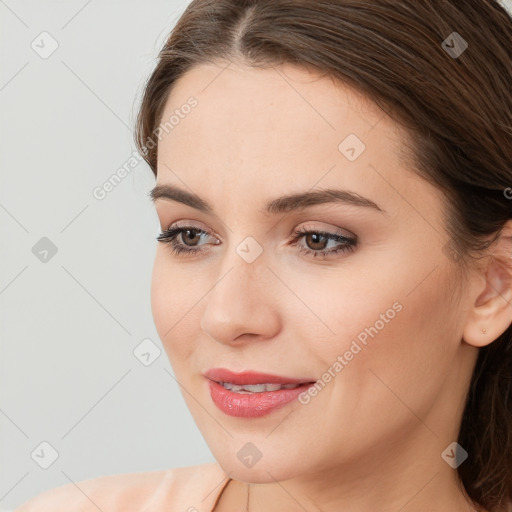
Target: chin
point(263, 471)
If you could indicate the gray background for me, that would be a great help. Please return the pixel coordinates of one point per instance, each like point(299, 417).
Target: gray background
point(69, 325)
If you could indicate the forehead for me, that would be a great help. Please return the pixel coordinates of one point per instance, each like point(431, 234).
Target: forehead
point(273, 105)
point(275, 129)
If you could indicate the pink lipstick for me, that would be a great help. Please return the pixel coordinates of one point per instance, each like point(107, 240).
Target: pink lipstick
point(252, 394)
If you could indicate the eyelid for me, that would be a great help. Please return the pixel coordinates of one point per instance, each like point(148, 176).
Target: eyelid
point(330, 229)
point(191, 224)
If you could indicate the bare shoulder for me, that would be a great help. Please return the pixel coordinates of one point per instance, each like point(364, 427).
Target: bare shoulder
point(125, 492)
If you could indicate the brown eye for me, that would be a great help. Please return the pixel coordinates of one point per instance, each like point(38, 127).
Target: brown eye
point(185, 240)
point(314, 241)
point(192, 235)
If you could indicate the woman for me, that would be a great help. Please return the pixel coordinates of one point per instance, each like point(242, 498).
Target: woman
point(333, 281)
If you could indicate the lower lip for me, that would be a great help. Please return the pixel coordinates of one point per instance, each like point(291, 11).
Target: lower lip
point(252, 405)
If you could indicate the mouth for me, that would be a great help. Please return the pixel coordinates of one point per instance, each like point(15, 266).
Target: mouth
point(257, 388)
point(252, 394)
point(252, 378)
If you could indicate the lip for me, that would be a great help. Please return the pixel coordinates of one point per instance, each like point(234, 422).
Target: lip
point(252, 405)
point(250, 377)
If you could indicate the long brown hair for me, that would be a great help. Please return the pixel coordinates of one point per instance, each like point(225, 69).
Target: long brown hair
point(452, 92)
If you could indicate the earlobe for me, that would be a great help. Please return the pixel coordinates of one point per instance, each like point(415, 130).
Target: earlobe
point(491, 313)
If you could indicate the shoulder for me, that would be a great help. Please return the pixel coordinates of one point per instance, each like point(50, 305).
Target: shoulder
point(190, 487)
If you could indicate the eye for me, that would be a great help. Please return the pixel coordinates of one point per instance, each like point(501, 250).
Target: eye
point(315, 241)
point(189, 236)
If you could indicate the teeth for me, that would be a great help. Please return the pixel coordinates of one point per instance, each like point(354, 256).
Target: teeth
point(257, 388)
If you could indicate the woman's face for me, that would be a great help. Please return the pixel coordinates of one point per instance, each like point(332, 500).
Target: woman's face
point(375, 323)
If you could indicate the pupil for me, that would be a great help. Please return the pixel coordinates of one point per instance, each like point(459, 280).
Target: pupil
point(190, 233)
point(316, 237)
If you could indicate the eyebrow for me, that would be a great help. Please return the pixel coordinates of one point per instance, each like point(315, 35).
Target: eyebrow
point(282, 204)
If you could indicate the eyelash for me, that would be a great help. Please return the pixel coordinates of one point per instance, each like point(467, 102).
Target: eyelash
point(349, 244)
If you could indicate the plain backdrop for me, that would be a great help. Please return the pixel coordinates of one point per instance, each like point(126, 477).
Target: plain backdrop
point(70, 320)
point(75, 400)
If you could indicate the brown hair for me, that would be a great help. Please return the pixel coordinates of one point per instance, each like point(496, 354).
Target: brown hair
point(456, 107)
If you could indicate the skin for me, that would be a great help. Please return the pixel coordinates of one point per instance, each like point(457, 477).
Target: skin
point(372, 438)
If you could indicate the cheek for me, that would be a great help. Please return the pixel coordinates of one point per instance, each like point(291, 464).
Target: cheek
point(402, 334)
point(172, 304)
point(405, 361)
point(330, 308)
point(161, 297)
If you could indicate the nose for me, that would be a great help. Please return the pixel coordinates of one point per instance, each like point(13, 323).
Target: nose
point(242, 305)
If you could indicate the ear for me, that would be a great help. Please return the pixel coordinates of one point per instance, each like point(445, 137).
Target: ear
point(491, 309)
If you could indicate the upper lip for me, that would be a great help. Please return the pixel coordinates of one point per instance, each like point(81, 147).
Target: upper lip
point(250, 377)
